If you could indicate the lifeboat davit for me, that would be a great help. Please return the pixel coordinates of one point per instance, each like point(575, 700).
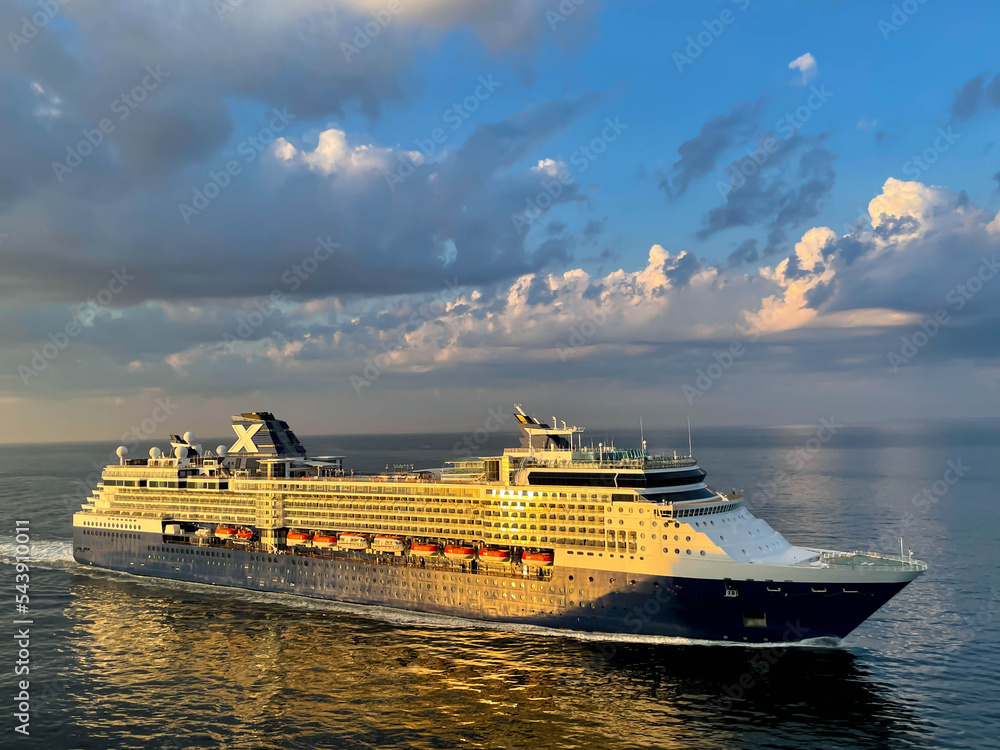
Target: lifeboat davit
point(225, 532)
point(303, 538)
point(325, 541)
point(243, 536)
point(389, 543)
point(352, 541)
point(494, 555)
point(424, 549)
point(544, 559)
point(460, 552)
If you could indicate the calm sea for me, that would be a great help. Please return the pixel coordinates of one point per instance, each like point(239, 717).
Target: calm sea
point(124, 662)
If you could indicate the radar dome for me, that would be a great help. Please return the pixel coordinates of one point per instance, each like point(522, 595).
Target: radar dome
point(180, 451)
point(122, 451)
point(155, 452)
point(188, 437)
point(199, 449)
point(221, 450)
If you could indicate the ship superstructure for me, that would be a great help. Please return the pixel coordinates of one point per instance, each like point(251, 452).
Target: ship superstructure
point(552, 532)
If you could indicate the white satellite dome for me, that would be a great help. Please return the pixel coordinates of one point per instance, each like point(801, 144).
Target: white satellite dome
point(221, 450)
point(188, 437)
point(199, 449)
point(122, 451)
point(180, 451)
point(155, 452)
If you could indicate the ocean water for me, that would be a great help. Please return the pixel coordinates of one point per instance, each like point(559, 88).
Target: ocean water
point(124, 662)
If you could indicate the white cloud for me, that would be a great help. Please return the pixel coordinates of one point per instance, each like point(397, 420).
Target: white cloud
point(806, 65)
point(334, 154)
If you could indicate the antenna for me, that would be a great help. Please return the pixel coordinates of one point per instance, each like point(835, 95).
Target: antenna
point(642, 436)
point(690, 451)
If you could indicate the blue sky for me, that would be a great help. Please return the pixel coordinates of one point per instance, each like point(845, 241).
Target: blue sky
point(422, 287)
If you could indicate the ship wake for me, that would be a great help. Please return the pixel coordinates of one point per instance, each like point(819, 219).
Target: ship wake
point(41, 553)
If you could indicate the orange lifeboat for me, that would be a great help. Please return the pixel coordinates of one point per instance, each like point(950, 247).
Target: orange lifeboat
point(299, 538)
point(460, 552)
point(243, 536)
point(494, 555)
point(389, 543)
point(544, 559)
point(225, 532)
point(325, 541)
point(352, 541)
point(424, 549)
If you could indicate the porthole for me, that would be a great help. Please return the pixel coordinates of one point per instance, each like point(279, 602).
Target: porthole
point(702, 553)
point(689, 552)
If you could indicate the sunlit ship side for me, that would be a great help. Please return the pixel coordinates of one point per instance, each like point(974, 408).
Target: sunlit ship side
point(551, 533)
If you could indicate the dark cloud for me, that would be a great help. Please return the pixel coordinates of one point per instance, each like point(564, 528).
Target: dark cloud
point(683, 269)
point(746, 252)
point(787, 189)
point(447, 220)
point(880, 137)
point(819, 294)
point(594, 228)
point(972, 95)
point(700, 154)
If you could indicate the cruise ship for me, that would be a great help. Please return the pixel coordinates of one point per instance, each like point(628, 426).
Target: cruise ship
point(553, 533)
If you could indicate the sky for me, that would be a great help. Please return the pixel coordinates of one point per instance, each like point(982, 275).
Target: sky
point(397, 216)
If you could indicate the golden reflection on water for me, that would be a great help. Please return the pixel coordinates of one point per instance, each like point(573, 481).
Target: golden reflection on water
point(176, 666)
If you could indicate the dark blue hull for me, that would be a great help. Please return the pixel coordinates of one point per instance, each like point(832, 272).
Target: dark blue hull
point(568, 598)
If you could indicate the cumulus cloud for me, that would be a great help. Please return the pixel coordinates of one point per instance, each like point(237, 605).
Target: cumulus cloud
point(835, 305)
point(806, 65)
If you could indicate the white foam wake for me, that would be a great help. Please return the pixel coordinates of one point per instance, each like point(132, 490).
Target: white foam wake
point(42, 552)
